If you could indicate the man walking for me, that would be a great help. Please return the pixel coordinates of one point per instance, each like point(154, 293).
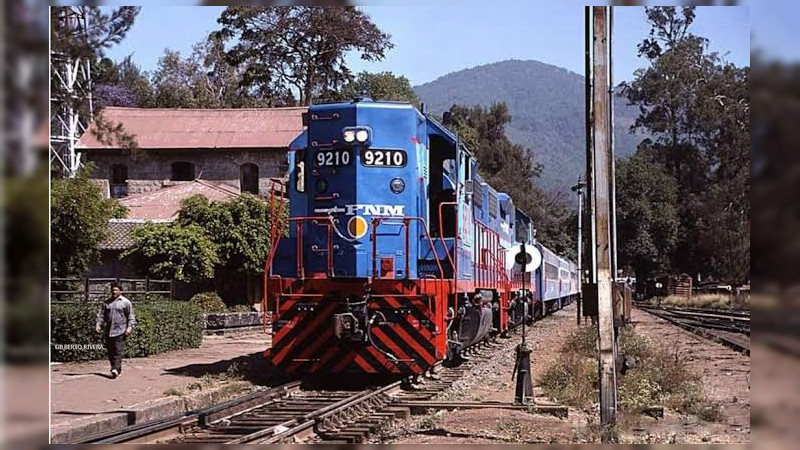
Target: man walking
point(116, 319)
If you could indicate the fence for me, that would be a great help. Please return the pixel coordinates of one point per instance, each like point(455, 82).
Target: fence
point(74, 290)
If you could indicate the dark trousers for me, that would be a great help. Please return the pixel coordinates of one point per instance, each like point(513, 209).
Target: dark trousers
point(116, 348)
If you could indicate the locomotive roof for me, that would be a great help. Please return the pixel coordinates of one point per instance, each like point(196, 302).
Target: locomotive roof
point(432, 123)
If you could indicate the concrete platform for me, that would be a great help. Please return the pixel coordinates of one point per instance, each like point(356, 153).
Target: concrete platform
point(86, 401)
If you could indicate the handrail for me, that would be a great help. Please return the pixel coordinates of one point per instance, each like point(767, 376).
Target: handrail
point(276, 221)
point(406, 219)
point(299, 221)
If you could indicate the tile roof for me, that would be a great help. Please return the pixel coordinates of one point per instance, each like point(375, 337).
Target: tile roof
point(119, 234)
point(164, 204)
point(157, 128)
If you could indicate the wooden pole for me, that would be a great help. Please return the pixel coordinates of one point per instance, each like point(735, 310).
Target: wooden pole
point(601, 188)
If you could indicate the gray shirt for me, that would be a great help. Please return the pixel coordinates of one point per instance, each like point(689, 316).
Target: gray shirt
point(117, 315)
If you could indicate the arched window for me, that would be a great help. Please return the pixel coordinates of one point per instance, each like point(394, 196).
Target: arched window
point(248, 178)
point(182, 171)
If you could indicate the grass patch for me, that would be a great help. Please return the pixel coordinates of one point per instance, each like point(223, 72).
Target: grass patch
point(572, 380)
point(659, 376)
point(718, 301)
point(430, 420)
point(231, 389)
point(173, 391)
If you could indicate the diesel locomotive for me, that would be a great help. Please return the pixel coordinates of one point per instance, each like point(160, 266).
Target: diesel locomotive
point(396, 252)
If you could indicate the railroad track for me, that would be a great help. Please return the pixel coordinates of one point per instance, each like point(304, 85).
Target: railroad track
point(294, 413)
point(291, 413)
point(730, 328)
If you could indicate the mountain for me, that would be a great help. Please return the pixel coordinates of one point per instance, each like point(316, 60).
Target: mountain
point(547, 106)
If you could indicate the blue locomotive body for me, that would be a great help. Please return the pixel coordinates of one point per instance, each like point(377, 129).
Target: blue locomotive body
point(391, 224)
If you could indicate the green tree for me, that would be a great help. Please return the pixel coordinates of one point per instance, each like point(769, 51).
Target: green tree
point(203, 79)
point(298, 50)
point(79, 218)
point(125, 77)
point(510, 168)
point(647, 215)
point(174, 251)
point(380, 86)
point(240, 229)
point(105, 28)
point(174, 81)
point(696, 107)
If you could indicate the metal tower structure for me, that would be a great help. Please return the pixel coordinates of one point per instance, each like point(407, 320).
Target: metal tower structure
point(71, 92)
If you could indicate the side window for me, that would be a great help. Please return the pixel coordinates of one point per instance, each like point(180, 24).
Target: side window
point(550, 271)
point(449, 173)
point(248, 178)
point(182, 171)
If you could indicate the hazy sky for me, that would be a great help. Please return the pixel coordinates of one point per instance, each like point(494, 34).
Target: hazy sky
point(431, 41)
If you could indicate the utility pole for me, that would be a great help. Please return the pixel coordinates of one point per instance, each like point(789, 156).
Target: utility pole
point(601, 203)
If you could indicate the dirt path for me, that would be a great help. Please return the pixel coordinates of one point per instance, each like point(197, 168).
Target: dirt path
point(491, 380)
point(724, 373)
point(726, 380)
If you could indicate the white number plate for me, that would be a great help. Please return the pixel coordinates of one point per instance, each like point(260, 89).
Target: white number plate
point(324, 158)
point(383, 158)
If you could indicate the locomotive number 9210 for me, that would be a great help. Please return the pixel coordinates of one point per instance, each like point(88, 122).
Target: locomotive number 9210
point(326, 158)
point(383, 158)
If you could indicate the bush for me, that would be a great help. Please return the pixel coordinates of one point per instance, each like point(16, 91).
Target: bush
point(240, 308)
point(183, 253)
point(161, 326)
point(714, 301)
point(572, 380)
point(209, 302)
point(583, 341)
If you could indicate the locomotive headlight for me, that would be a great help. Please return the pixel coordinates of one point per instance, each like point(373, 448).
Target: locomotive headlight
point(397, 185)
point(362, 135)
point(349, 136)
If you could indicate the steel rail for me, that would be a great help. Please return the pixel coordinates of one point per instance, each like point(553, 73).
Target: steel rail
point(157, 425)
point(702, 330)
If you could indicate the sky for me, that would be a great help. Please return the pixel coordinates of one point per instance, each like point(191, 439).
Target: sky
point(431, 41)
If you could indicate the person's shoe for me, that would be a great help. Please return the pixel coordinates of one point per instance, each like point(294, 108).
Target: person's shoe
point(114, 373)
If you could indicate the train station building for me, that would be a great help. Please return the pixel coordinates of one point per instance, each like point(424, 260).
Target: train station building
point(151, 159)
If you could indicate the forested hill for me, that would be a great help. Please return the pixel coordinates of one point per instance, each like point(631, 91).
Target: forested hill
point(547, 106)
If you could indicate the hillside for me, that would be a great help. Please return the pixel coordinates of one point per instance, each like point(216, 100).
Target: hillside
point(547, 106)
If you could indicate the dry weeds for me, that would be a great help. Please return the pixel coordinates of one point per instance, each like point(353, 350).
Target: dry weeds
point(658, 377)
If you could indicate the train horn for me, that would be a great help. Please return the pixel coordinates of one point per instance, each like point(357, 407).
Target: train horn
point(526, 257)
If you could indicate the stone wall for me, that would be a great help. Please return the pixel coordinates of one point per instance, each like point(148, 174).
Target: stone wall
point(149, 170)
